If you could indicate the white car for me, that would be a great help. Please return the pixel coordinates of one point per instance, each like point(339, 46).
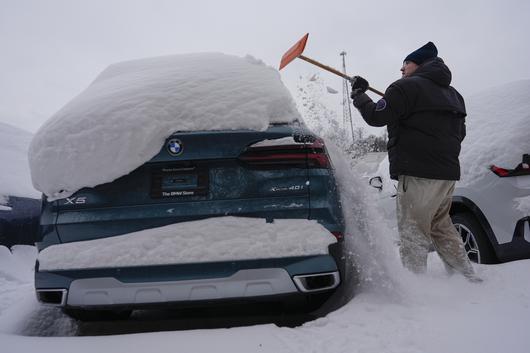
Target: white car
point(491, 202)
point(492, 217)
point(491, 214)
point(491, 205)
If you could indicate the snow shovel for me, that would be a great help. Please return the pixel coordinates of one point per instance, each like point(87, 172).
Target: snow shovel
point(296, 52)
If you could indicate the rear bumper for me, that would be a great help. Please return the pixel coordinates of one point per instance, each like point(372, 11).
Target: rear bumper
point(157, 285)
point(519, 247)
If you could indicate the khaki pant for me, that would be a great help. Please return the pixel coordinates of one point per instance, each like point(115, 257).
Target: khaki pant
point(423, 219)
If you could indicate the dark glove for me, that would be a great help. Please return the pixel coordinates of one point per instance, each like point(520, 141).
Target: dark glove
point(358, 85)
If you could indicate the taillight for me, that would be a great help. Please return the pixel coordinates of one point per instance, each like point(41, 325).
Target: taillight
point(522, 168)
point(500, 171)
point(338, 235)
point(317, 156)
point(303, 155)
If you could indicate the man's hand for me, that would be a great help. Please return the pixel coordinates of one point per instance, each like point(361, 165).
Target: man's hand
point(358, 85)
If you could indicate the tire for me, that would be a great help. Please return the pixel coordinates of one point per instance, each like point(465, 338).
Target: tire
point(476, 242)
point(97, 315)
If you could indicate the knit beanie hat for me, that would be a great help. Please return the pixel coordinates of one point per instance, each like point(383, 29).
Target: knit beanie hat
point(421, 55)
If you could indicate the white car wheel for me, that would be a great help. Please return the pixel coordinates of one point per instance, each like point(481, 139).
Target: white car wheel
point(470, 244)
point(476, 243)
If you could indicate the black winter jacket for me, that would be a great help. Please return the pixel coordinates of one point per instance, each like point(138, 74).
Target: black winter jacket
point(425, 119)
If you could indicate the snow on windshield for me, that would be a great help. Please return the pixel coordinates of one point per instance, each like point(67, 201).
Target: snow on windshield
point(497, 129)
point(14, 178)
point(228, 238)
point(122, 119)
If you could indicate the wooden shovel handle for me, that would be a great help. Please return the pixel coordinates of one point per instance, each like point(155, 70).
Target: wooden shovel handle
point(336, 72)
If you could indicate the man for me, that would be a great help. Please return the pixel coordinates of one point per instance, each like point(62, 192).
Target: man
point(425, 119)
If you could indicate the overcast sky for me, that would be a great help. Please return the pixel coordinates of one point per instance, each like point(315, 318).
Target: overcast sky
point(52, 49)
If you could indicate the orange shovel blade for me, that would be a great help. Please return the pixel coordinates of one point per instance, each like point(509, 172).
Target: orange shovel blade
point(295, 51)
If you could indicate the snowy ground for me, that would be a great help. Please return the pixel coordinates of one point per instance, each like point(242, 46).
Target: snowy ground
point(392, 310)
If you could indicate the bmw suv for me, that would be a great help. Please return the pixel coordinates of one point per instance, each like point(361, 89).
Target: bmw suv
point(283, 173)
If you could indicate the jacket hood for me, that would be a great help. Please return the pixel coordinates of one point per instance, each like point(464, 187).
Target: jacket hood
point(436, 71)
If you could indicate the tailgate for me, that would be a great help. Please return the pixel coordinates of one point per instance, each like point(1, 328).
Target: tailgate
point(196, 175)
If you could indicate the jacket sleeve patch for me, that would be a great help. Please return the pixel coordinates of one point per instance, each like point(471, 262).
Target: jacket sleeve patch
point(381, 105)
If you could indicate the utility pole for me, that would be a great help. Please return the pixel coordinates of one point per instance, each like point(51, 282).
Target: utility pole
point(346, 107)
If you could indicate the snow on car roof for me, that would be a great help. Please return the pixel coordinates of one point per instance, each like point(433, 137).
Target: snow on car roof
point(497, 129)
point(122, 119)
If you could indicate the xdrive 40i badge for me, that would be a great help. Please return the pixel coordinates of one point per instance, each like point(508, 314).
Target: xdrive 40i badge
point(174, 147)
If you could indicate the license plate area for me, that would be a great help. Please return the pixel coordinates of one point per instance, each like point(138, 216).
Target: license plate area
point(179, 181)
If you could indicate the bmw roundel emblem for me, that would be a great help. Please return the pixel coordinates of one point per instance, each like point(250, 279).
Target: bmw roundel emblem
point(174, 147)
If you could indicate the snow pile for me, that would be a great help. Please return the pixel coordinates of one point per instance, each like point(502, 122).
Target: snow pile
point(122, 119)
point(497, 130)
point(16, 269)
point(14, 178)
point(369, 235)
point(17, 264)
point(210, 240)
point(433, 313)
